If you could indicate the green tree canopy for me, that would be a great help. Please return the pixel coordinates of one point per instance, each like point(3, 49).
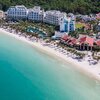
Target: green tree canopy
point(74, 6)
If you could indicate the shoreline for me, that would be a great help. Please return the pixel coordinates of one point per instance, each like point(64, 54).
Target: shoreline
point(93, 71)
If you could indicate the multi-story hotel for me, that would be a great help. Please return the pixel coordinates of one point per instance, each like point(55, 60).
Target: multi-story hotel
point(36, 14)
point(53, 17)
point(67, 25)
point(17, 12)
point(1, 14)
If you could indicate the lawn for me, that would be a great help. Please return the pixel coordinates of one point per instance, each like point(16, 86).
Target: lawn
point(79, 25)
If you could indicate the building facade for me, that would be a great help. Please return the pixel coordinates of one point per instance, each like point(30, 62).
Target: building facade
point(36, 14)
point(53, 17)
point(67, 25)
point(17, 12)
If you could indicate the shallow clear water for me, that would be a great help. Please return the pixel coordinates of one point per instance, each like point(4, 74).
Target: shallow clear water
point(28, 74)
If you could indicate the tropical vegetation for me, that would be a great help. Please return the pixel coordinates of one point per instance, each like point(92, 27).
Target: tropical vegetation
point(74, 6)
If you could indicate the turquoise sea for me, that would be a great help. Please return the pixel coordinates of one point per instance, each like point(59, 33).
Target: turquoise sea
point(28, 74)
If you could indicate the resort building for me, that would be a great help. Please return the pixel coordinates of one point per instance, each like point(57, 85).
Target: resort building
point(58, 35)
point(98, 27)
point(82, 43)
point(17, 12)
point(72, 16)
point(36, 14)
point(53, 17)
point(67, 25)
point(98, 15)
point(1, 14)
point(98, 35)
point(87, 18)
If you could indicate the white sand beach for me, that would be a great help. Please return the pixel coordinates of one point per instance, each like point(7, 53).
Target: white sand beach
point(92, 71)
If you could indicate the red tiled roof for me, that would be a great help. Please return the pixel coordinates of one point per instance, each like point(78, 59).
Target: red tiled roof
point(65, 37)
point(82, 40)
point(88, 40)
point(98, 42)
point(72, 41)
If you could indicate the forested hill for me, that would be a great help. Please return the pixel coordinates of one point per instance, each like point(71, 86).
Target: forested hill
point(74, 6)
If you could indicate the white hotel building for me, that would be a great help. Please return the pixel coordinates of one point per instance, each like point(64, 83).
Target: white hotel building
point(17, 12)
point(53, 17)
point(36, 14)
